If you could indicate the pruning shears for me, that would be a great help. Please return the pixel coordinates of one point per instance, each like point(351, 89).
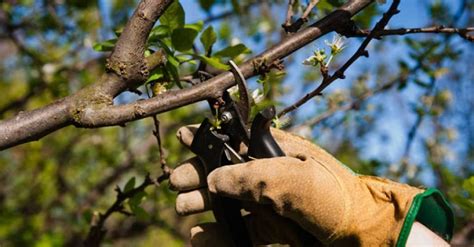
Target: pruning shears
point(219, 145)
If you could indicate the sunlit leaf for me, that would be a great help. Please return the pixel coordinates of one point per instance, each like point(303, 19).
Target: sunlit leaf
point(173, 16)
point(233, 51)
point(196, 26)
point(130, 185)
point(214, 62)
point(208, 38)
point(105, 46)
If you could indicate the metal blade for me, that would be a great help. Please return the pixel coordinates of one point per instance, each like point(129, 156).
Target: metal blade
point(232, 155)
point(243, 105)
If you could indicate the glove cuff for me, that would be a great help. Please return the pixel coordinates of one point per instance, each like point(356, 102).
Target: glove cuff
point(431, 209)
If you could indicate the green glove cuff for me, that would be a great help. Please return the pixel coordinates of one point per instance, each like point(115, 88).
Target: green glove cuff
point(431, 209)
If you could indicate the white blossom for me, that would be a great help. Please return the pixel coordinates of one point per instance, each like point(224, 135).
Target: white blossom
point(337, 44)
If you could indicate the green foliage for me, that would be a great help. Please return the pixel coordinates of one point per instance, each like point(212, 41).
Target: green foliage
point(105, 46)
point(208, 38)
point(173, 16)
point(233, 51)
point(130, 185)
point(183, 38)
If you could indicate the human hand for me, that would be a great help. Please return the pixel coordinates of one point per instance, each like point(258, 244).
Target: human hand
point(308, 191)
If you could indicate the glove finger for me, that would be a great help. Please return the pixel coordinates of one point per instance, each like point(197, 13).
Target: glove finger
point(253, 180)
point(188, 176)
point(186, 134)
point(193, 202)
point(293, 187)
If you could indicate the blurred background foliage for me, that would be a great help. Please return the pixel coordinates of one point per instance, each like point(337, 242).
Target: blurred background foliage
point(404, 113)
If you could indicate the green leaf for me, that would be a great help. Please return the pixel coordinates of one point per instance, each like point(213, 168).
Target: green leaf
point(129, 185)
point(159, 32)
point(196, 26)
point(158, 74)
point(137, 199)
point(233, 51)
point(87, 215)
point(468, 185)
point(140, 213)
point(208, 38)
point(105, 46)
point(173, 16)
point(118, 31)
point(213, 61)
point(172, 67)
point(183, 38)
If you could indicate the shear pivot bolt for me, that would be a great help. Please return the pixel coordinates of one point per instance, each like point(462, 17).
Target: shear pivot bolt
point(226, 117)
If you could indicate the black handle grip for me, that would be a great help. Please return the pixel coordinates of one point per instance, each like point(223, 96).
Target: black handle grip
point(262, 144)
point(209, 146)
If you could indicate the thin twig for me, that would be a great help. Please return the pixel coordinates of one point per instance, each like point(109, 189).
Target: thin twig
point(295, 26)
point(156, 132)
point(351, 105)
point(462, 32)
point(358, 101)
point(309, 8)
point(97, 232)
point(416, 125)
point(230, 13)
point(339, 74)
point(166, 170)
point(289, 14)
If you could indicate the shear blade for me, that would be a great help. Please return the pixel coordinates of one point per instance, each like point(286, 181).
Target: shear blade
point(232, 155)
point(243, 105)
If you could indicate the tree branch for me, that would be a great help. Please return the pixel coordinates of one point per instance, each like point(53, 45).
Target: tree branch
point(128, 55)
point(339, 74)
point(289, 14)
point(213, 88)
point(462, 32)
point(97, 231)
point(351, 105)
point(294, 27)
point(92, 107)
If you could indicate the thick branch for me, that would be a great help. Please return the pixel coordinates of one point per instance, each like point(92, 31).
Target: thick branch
point(30, 126)
point(212, 88)
point(127, 59)
point(84, 110)
point(33, 125)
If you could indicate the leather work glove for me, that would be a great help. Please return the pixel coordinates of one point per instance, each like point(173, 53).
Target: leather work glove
point(295, 198)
